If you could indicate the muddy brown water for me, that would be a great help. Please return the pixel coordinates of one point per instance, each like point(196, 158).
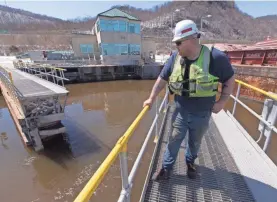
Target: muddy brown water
point(97, 114)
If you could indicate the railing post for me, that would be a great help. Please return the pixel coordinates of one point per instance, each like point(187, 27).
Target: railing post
point(156, 124)
point(272, 120)
point(267, 140)
point(124, 195)
point(45, 71)
point(167, 96)
point(61, 75)
point(52, 73)
point(268, 104)
point(237, 96)
point(11, 77)
point(157, 113)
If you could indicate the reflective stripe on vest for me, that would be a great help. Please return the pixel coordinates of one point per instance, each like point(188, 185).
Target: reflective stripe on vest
point(201, 82)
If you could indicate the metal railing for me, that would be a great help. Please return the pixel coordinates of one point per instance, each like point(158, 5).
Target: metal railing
point(43, 71)
point(120, 149)
point(14, 93)
point(6, 78)
point(264, 120)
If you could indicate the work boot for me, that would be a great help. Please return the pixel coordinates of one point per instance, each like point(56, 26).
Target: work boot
point(191, 170)
point(162, 174)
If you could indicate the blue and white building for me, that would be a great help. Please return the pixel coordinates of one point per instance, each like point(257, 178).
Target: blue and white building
point(115, 39)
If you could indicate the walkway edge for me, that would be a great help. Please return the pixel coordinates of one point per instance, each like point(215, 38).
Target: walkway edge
point(269, 162)
point(259, 176)
point(161, 134)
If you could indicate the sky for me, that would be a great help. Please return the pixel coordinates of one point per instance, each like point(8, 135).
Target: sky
point(66, 9)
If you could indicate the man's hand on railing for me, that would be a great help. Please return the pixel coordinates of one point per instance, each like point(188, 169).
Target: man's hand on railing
point(158, 86)
point(148, 102)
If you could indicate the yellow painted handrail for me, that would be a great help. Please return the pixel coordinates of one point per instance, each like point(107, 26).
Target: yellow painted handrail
point(98, 176)
point(121, 144)
point(45, 66)
point(56, 68)
point(271, 95)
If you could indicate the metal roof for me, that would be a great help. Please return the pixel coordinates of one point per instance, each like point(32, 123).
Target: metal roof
point(114, 12)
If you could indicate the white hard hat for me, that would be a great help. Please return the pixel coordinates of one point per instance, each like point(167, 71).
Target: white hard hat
point(183, 29)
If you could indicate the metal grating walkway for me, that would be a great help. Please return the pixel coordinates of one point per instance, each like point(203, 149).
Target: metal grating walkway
point(31, 86)
point(218, 176)
point(28, 87)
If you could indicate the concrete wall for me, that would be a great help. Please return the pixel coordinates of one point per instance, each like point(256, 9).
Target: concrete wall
point(120, 37)
point(101, 73)
point(121, 59)
point(150, 71)
point(259, 71)
point(84, 39)
point(148, 48)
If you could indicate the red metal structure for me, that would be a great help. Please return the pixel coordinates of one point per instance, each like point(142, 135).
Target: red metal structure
point(262, 54)
point(263, 57)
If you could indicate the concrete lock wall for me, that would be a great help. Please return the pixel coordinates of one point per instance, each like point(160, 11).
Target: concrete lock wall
point(121, 60)
point(150, 71)
point(259, 71)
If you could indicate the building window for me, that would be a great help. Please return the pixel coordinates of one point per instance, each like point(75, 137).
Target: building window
point(86, 48)
point(131, 28)
point(117, 26)
point(122, 26)
point(109, 25)
point(103, 25)
point(104, 49)
point(137, 28)
point(114, 49)
point(134, 49)
point(123, 49)
point(120, 49)
point(134, 28)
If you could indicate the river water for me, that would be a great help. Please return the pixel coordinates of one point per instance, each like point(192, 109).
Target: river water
point(96, 115)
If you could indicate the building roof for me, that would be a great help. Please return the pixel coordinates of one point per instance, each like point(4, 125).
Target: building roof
point(115, 12)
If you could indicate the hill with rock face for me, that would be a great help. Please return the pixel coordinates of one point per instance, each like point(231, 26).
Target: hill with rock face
point(227, 23)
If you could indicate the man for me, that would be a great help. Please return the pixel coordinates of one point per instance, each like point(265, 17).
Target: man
point(192, 74)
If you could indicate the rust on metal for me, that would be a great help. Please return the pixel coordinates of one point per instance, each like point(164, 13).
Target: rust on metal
point(263, 57)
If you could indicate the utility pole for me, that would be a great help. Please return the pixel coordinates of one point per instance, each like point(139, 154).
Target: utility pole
point(201, 26)
point(172, 35)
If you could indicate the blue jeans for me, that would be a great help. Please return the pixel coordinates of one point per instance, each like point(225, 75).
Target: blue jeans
point(183, 121)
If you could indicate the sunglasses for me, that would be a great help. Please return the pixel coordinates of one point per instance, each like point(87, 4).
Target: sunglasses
point(178, 43)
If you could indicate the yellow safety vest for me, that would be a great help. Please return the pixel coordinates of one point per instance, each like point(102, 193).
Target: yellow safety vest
point(201, 82)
